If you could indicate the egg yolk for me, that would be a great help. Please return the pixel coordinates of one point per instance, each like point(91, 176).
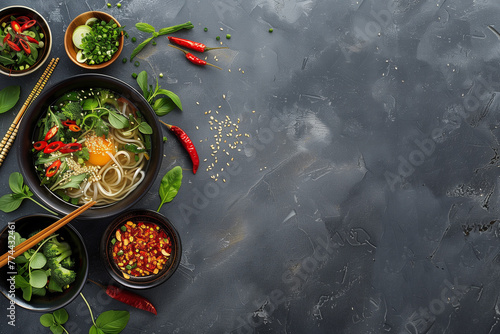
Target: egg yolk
point(98, 149)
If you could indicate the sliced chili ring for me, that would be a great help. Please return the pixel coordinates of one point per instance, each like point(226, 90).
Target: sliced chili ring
point(25, 46)
point(40, 145)
point(27, 25)
point(52, 170)
point(51, 133)
point(16, 26)
point(13, 45)
point(68, 122)
point(31, 39)
point(72, 147)
point(22, 19)
point(53, 147)
point(74, 127)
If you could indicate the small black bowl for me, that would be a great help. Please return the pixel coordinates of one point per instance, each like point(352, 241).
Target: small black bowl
point(38, 109)
point(145, 282)
point(51, 301)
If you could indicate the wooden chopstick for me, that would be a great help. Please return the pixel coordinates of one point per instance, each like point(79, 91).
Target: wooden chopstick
point(9, 137)
point(46, 232)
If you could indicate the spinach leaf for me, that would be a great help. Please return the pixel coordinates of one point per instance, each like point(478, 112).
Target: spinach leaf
point(9, 97)
point(170, 185)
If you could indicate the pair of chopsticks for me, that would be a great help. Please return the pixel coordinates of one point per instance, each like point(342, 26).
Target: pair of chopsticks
point(46, 232)
point(9, 137)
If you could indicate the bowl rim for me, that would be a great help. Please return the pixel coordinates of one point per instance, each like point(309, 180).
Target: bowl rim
point(31, 117)
point(85, 254)
point(49, 50)
point(166, 223)
point(97, 66)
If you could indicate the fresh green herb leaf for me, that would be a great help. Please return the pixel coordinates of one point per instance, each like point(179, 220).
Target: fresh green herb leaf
point(134, 148)
point(145, 128)
point(9, 203)
point(54, 286)
point(73, 182)
point(47, 320)
point(95, 330)
point(142, 81)
point(21, 282)
point(38, 278)
point(56, 329)
point(38, 261)
point(140, 47)
point(118, 121)
point(170, 185)
point(145, 27)
point(163, 106)
point(172, 96)
point(39, 291)
point(27, 292)
point(9, 97)
point(16, 182)
point(112, 322)
point(169, 30)
point(61, 316)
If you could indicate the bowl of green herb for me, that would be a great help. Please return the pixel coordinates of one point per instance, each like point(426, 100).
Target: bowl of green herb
point(49, 275)
point(93, 40)
point(25, 40)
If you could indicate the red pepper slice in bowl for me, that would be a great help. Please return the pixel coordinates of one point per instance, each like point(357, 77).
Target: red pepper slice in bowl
point(74, 127)
point(27, 25)
point(52, 170)
point(16, 26)
point(53, 147)
point(51, 133)
point(25, 46)
point(72, 147)
point(40, 145)
point(68, 122)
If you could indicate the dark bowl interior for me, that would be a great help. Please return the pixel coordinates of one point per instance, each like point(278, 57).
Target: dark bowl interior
point(5, 15)
point(51, 301)
point(38, 109)
point(146, 281)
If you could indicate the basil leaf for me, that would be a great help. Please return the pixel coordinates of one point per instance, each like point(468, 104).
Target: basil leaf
point(61, 316)
point(47, 320)
point(145, 128)
point(163, 106)
point(112, 322)
point(38, 261)
point(171, 95)
point(38, 278)
point(95, 330)
point(170, 184)
point(9, 203)
point(139, 48)
point(142, 81)
point(16, 182)
point(145, 27)
point(9, 97)
point(118, 121)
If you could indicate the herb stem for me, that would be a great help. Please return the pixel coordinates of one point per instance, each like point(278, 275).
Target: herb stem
point(90, 310)
point(52, 212)
point(64, 329)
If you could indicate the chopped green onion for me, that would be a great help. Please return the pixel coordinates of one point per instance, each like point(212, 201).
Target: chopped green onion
point(271, 29)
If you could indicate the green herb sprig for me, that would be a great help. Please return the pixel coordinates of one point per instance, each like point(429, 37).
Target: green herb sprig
point(55, 321)
point(9, 97)
point(170, 185)
point(20, 191)
point(148, 28)
point(163, 105)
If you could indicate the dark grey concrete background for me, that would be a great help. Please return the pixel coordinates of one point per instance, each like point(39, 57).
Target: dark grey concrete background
point(364, 198)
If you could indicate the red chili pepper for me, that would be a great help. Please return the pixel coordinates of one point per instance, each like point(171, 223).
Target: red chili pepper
point(187, 143)
point(51, 133)
point(25, 46)
point(70, 148)
point(53, 147)
point(200, 47)
point(40, 145)
point(74, 127)
point(31, 39)
point(16, 26)
point(22, 19)
point(13, 45)
point(192, 58)
point(6, 38)
point(52, 170)
point(68, 122)
point(128, 298)
point(27, 25)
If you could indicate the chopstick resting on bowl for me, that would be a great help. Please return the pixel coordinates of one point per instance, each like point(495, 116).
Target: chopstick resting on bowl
point(46, 232)
point(9, 137)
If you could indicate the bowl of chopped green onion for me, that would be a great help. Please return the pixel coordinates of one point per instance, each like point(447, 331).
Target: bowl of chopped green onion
point(25, 40)
point(94, 40)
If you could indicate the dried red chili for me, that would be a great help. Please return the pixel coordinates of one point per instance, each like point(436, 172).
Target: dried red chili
point(74, 127)
point(195, 60)
point(71, 147)
point(200, 47)
point(53, 147)
point(187, 143)
point(128, 297)
point(51, 133)
point(40, 145)
point(52, 170)
point(140, 249)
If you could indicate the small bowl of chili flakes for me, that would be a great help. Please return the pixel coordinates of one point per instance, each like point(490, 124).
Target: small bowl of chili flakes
point(141, 249)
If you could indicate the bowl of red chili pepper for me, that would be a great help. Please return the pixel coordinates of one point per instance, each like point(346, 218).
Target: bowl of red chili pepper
point(25, 40)
point(141, 249)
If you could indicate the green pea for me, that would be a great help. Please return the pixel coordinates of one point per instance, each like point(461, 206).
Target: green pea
point(271, 29)
point(228, 36)
point(217, 38)
point(109, 5)
point(118, 5)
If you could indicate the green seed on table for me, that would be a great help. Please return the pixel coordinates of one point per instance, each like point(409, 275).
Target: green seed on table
point(271, 29)
point(118, 5)
point(205, 29)
point(109, 5)
point(217, 38)
point(228, 36)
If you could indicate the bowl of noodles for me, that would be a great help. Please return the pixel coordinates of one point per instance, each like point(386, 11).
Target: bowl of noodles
point(90, 137)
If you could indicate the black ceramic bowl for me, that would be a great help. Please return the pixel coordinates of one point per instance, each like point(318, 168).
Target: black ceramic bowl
point(51, 301)
point(43, 53)
point(148, 281)
point(38, 109)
